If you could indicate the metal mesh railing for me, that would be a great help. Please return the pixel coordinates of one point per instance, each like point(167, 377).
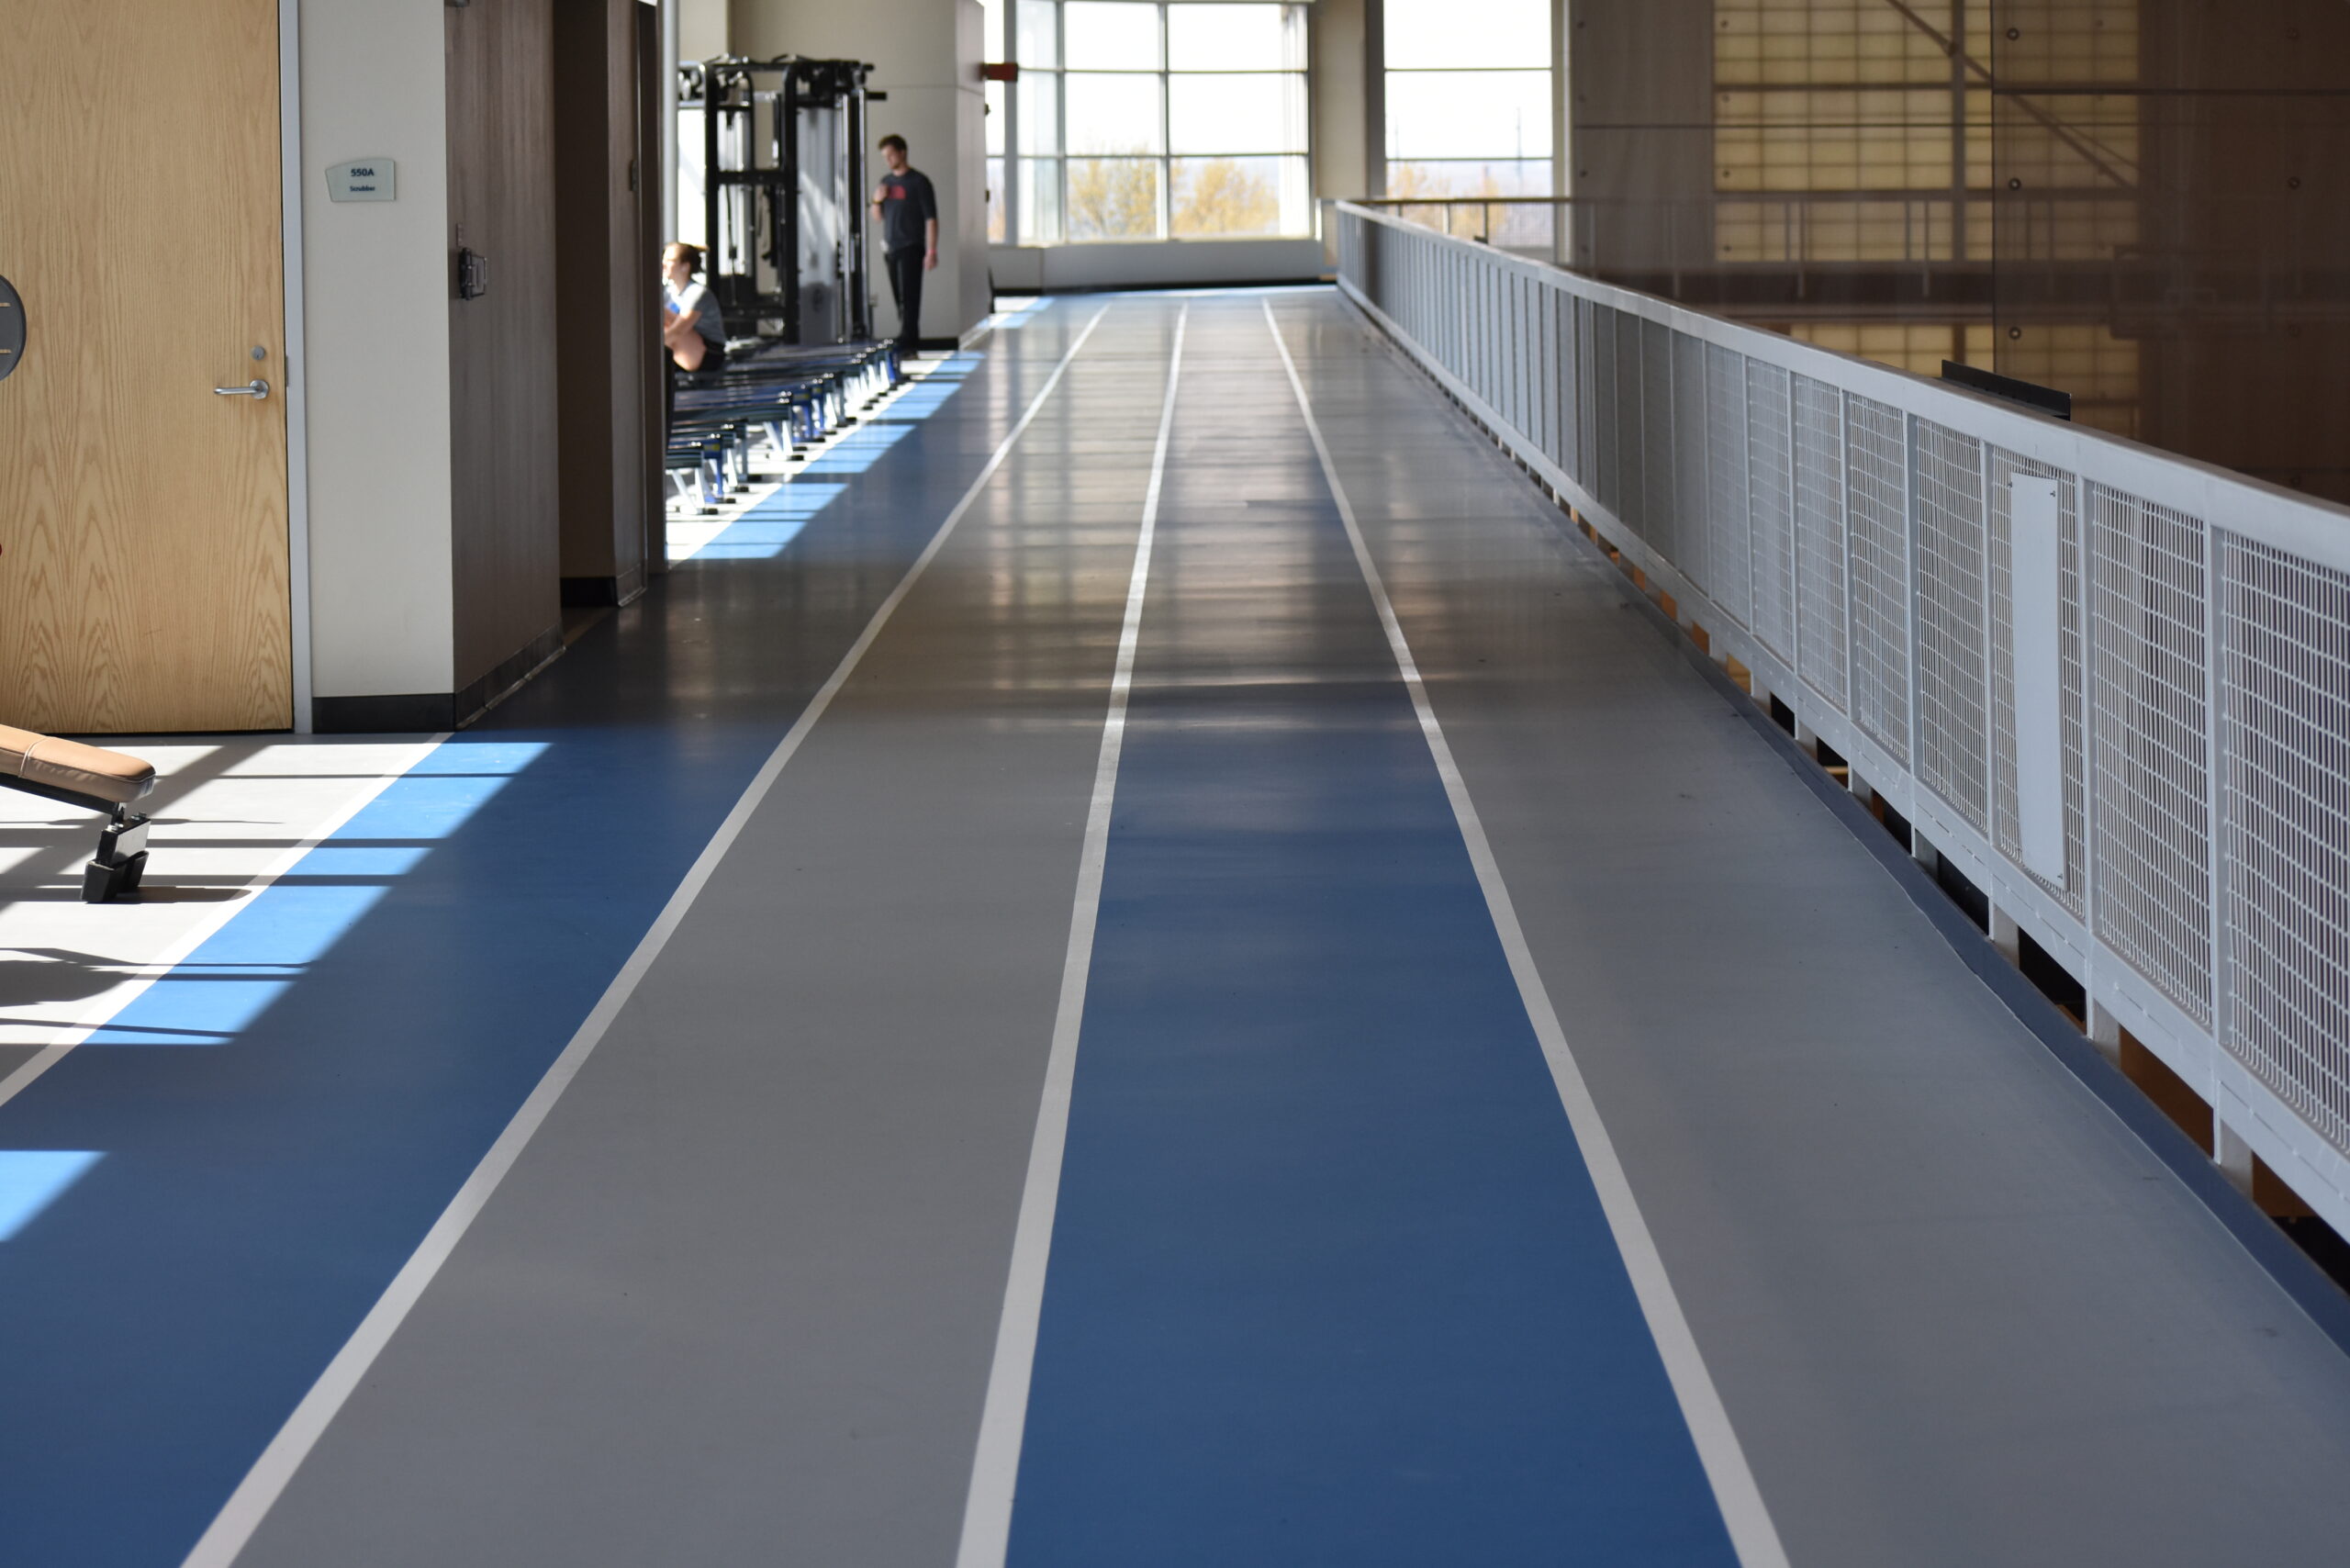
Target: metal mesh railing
point(1852, 535)
point(1769, 505)
point(1820, 549)
point(2285, 663)
point(1953, 751)
point(1877, 489)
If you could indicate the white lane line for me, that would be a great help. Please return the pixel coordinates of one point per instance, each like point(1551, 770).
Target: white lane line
point(262, 1485)
point(1756, 1538)
point(995, 1467)
point(164, 963)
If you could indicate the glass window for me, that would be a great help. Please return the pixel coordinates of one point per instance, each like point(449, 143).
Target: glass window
point(1236, 37)
point(1038, 48)
point(1135, 119)
point(1263, 113)
point(997, 119)
point(1469, 100)
point(1113, 199)
point(1113, 112)
point(1112, 36)
point(1227, 196)
point(1467, 177)
point(1435, 35)
point(992, 15)
point(1469, 113)
point(1040, 201)
point(1040, 115)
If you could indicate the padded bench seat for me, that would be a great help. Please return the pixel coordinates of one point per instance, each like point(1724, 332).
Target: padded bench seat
point(96, 780)
point(73, 767)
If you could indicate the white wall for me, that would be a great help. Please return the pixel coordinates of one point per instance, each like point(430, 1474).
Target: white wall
point(925, 57)
point(375, 316)
point(1154, 263)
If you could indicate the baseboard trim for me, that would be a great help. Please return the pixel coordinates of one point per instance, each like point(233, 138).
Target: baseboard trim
point(428, 713)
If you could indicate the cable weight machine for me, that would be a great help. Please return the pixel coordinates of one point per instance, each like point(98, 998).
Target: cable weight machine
point(782, 197)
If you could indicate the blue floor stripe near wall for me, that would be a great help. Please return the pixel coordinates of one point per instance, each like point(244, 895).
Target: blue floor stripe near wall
point(198, 1206)
point(1329, 1283)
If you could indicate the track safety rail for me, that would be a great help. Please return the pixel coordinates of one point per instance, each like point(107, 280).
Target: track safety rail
point(2108, 685)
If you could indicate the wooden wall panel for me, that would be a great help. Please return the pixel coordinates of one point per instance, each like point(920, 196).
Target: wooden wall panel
point(143, 581)
point(506, 530)
point(604, 274)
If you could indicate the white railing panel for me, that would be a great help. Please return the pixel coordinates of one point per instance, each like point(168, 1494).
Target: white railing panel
point(1877, 484)
point(1771, 506)
point(1657, 460)
point(1822, 619)
point(1954, 731)
point(2285, 653)
point(1844, 530)
point(1693, 535)
point(2151, 767)
point(1727, 489)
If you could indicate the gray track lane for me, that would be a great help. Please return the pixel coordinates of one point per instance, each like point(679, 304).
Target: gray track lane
point(1958, 1314)
point(737, 1301)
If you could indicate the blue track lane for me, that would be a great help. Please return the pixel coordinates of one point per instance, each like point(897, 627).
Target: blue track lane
point(276, 1125)
point(1329, 1283)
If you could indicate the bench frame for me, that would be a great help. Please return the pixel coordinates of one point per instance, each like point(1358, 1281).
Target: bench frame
point(121, 859)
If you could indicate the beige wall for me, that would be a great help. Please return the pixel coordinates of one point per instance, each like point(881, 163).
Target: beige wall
point(1338, 81)
point(925, 56)
point(375, 320)
point(702, 28)
point(1641, 131)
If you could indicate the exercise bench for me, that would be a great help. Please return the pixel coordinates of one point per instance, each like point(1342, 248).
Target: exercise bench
point(95, 779)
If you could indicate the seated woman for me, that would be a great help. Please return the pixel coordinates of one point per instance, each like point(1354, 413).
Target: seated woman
point(692, 329)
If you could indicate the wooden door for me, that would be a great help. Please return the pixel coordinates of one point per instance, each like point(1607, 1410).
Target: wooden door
point(143, 578)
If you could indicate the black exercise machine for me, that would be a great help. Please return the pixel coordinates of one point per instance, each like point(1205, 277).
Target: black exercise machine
point(782, 146)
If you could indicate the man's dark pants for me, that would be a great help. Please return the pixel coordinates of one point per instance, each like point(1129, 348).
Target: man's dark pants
point(905, 286)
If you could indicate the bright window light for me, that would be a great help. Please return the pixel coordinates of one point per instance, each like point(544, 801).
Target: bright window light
point(212, 996)
point(1149, 121)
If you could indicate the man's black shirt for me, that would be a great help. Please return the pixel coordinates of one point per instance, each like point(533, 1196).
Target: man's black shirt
point(907, 204)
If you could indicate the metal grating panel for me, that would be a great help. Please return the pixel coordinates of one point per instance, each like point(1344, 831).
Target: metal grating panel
point(1725, 471)
point(1954, 726)
point(1820, 538)
point(1692, 538)
point(1657, 437)
point(1566, 399)
point(1632, 499)
point(1604, 400)
point(1770, 507)
point(2005, 466)
point(2149, 760)
point(1876, 456)
point(1587, 386)
point(2284, 638)
point(1548, 377)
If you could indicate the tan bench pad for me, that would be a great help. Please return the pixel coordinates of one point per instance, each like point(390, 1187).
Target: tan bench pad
point(70, 765)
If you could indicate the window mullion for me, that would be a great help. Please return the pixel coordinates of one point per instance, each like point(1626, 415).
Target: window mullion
point(1166, 133)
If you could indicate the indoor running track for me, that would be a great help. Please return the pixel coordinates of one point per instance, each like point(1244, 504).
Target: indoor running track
point(982, 1022)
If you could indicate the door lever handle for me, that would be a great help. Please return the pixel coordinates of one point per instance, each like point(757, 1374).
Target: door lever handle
point(256, 388)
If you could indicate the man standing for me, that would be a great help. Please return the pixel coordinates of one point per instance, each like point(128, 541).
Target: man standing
point(908, 209)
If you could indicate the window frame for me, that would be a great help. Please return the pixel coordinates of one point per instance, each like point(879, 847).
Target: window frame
point(1006, 179)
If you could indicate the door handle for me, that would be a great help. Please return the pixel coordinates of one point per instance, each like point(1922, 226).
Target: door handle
point(256, 388)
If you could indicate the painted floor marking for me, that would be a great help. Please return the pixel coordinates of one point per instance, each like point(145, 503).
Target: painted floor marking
point(1741, 1500)
point(161, 966)
point(995, 1468)
point(267, 1480)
